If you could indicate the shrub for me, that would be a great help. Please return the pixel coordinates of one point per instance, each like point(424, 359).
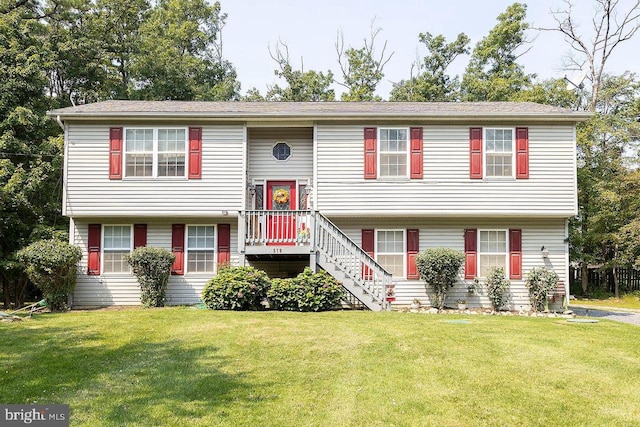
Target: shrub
point(307, 292)
point(439, 268)
point(540, 281)
point(51, 265)
point(496, 285)
point(236, 288)
point(152, 268)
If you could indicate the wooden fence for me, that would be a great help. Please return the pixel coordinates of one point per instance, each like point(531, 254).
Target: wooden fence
point(628, 279)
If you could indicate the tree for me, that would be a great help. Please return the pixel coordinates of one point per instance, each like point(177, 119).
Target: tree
point(362, 69)
point(433, 83)
point(301, 85)
point(30, 154)
point(608, 33)
point(181, 54)
point(493, 72)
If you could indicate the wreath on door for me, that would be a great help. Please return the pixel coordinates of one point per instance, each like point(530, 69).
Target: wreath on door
point(281, 196)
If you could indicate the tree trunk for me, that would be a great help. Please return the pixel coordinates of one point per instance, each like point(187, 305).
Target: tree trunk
point(616, 284)
point(584, 276)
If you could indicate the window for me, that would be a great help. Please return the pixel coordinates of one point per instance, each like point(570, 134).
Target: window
point(281, 151)
point(492, 250)
point(200, 248)
point(155, 152)
point(390, 251)
point(499, 152)
point(117, 244)
point(393, 152)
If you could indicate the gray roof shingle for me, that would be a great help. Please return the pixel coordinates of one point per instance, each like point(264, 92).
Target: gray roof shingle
point(309, 110)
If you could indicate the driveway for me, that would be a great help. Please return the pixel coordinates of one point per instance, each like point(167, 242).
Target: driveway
point(631, 317)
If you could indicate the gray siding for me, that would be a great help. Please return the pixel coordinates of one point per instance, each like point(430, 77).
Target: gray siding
point(262, 164)
point(446, 187)
point(123, 289)
point(450, 233)
point(90, 192)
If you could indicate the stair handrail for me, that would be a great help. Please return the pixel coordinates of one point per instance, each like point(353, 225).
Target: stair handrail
point(354, 261)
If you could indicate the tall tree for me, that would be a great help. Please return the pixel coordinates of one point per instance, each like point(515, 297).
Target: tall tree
point(601, 142)
point(362, 68)
point(30, 156)
point(181, 56)
point(433, 83)
point(493, 72)
point(301, 85)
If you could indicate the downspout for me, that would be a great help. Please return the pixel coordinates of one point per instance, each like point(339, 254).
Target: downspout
point(59, 121)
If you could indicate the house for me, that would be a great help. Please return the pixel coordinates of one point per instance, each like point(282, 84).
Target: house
point(357, 189)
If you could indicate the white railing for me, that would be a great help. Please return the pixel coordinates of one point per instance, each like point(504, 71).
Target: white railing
point(278, 227)
point(312, 229)
point(352, 259)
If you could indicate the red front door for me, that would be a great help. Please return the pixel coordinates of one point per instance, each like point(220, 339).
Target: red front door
point(281, 223)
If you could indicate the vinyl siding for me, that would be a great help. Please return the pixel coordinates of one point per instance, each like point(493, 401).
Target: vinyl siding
point(450, 233)
point(262, 164)
point(89, 192)
point(446, 187)
point(123, 289)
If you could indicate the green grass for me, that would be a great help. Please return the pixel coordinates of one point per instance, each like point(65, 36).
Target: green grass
point(628, 301)
point(185, 367)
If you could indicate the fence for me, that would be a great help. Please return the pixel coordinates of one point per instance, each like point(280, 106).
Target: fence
point(628, 279)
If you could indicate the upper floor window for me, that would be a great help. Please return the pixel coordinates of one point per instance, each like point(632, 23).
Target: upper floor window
point(394, 145)
point(281, 151)
point(117, 244)
point(155, 152)
point(499, 152)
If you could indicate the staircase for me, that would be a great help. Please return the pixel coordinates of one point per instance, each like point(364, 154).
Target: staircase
point(360, 274)
point(306, 232)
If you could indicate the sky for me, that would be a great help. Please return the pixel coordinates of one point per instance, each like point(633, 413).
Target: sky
point(309, 28)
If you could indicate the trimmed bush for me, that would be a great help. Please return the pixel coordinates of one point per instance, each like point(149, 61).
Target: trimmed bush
point(307, 292)
point(497, 285)
point(439, 268)
point(152, 268)
point(52, 265)
point(236, 288)
point(540, 281)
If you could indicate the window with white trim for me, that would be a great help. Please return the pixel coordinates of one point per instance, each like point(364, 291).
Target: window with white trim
point(493, 250)
point(394, 152)
point(499, 143)
point(390, 251)
point(200, 248)
point(117, 244)
point(158, 152)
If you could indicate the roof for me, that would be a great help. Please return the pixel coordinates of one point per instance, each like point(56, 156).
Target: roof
point(317, 110)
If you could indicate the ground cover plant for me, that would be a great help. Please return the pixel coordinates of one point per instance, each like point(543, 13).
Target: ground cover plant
point(184, 366)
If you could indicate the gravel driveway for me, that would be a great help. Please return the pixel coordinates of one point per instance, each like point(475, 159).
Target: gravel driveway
point(631, 317)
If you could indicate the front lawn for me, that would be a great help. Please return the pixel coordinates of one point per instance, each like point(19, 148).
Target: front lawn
point(183, 366)
point(628, 301)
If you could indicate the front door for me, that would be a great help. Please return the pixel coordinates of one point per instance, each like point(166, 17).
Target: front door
point(281, 222)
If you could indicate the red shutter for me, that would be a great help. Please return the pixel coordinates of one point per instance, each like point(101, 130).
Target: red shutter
point(416, 153)
point(177, 247)
point(139, 236)
point(471, 253)
point(115, 153)
point(413, 246)
point(368, 245)
point(522, 153)
point(370, 153)
point(93, 246)
point(224, 243)
point(475, 153)
point(515, 253)
point(195, 153)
